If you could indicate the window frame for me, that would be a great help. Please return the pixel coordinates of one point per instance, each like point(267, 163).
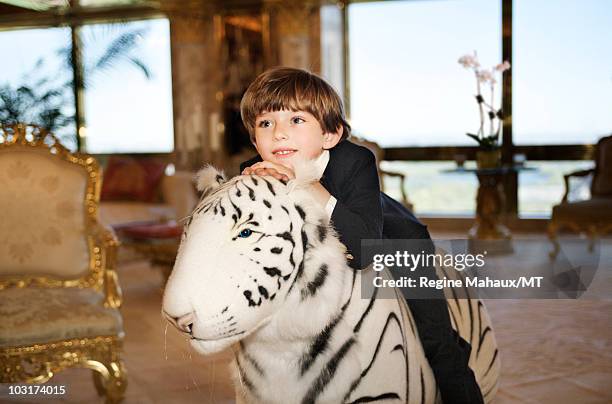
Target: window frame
point(546, 152)
point(75, 17)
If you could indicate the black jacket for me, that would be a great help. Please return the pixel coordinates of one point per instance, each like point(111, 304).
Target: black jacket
point(362, 211)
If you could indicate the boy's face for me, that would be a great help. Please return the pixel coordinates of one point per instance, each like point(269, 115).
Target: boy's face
point(283, 137)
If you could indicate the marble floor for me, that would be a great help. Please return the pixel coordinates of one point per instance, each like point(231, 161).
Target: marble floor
point(552, 351)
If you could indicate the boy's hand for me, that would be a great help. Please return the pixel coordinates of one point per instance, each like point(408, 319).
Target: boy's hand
point(277, 171)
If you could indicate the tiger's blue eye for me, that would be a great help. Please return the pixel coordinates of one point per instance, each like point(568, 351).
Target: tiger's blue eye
point(245, 233)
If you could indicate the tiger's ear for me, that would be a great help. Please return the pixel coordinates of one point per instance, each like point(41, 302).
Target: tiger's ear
point(208, 179)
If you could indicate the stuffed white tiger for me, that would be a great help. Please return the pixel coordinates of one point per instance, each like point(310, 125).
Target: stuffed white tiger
point(260, 268)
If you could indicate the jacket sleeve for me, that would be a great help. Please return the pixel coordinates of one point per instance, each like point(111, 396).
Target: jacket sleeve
point(358, 212)
point(248, 163)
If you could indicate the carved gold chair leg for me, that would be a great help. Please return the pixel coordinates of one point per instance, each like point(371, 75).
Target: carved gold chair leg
point(554, 239)
point(110, 380)
point(117, 383)
point(99, 384)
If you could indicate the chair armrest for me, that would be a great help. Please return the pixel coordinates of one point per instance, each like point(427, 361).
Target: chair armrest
point(402, 178)
point(179, 191)
point(566, 177)
point(109, 244)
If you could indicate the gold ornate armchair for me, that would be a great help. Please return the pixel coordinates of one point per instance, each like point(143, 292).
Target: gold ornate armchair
point(379, 155)
point(591, 216)
point(59, 293)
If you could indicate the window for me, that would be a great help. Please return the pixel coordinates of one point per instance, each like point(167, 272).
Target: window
point(128, 91)
point(432, 188)
point(562, 72)
point(36, 80)
point(406, 87)
point(127, 80)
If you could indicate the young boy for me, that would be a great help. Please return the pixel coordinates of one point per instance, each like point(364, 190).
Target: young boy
point(293, 115)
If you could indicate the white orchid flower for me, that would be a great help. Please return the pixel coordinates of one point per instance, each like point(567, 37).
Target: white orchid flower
point(469, 61)
point(502, 67)
point(484, 75)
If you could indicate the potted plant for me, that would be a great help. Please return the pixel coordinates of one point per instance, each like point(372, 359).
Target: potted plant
point(489, 153)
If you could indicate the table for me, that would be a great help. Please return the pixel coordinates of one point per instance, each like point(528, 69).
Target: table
point(488, 232)
point(158, 241)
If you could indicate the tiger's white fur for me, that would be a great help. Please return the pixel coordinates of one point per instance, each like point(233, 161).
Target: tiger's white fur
point(287, 301)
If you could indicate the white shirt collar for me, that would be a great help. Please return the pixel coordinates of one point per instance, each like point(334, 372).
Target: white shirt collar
point(321, 163)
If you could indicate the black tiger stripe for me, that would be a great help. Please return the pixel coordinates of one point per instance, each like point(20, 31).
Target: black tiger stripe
point(490, 364)
point(327, 373)
point(411, 323)
point(370, 399)
point(322, 232)
point(300, 211)
point(398, 347)
point(313, 286)
point(456, 299)
point(276, 250)
point(244, 378)
point(270, 187)
point(480, 331)
point(201, 208)
point(247, 220)
point(254, 364)
point(319, 344)
point(236, 208)
point(273, 271)
point(482, 337)
point(287, 236)
point(391, 317)
point(304, 249)
point(471, 321)
point(251, 192)
point(423, 392)
point(367, 311)
point(268, 204)
point(348, 301)
point(263, 291)
point(255, 182)
point(300, 269)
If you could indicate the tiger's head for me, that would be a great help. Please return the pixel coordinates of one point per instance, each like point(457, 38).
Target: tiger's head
point(254, 253)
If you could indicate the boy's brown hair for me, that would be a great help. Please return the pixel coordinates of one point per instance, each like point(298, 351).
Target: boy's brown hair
point(286, 88)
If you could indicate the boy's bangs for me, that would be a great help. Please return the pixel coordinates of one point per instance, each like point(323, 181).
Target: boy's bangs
point(289, 97)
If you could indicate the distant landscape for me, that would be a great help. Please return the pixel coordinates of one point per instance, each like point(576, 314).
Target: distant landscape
point(437, 193)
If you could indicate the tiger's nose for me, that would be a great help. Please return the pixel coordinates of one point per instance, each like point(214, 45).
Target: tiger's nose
point(183, 323)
